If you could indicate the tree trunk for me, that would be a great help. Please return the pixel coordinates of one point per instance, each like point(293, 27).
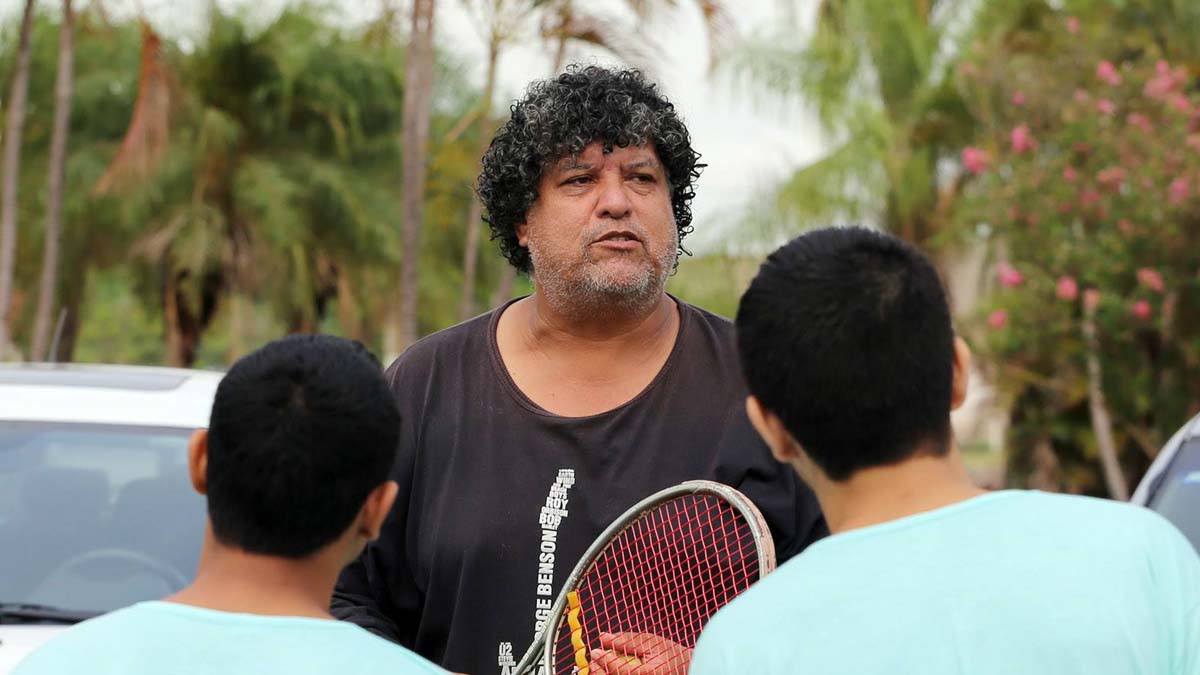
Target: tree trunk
point(475, 213)
point(1098, 406)
point(47, 295)
point(172, 319)
point(14, 126)
point(347, 307)
point(239, 324)
point(418, 92)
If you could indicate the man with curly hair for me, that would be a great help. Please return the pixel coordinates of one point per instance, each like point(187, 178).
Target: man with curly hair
point(530, 428)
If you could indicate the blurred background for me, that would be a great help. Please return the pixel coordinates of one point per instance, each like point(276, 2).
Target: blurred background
point(183, 181)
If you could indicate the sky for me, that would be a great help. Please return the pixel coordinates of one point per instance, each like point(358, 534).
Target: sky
point(749, 141)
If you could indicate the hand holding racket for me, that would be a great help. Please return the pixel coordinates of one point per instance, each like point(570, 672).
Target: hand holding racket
point(642, 592)
point(638, 653)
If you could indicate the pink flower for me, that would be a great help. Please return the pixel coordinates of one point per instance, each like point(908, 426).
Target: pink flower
point(1018, 98)
point(1008, 276)
point(1179, 191)
point(1081, 96)
point(1070, 174)
point(1111, 177)
point(1141, 309)
point(1125, 226)
point(1022, 140)
point(1180, 102)
point(997, 319)
point(1107, 73)
point(1072, 25)
point(1164, 81)
point(1193, 142)
point(1068, 289)
point(1151, 278)
point(1091, 299)
point(975, 160)
point(1140, 121)
point(1105, 107)
point(1089, 197)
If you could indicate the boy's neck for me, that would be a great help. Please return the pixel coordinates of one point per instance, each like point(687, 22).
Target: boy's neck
point(881, 494)
point(232, 580)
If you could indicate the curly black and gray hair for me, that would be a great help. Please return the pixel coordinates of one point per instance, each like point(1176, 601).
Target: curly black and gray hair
point(558, 118)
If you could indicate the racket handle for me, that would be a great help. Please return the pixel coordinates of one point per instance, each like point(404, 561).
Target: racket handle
point(581, 659)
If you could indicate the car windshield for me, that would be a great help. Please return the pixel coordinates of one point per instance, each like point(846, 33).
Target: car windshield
point(1178, 498)
point(95, 517)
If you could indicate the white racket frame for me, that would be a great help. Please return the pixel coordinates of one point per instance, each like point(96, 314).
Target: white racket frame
point(541, 652)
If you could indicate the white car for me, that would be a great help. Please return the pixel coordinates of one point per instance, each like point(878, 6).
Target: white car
point(96, 509)
point(1172, 484)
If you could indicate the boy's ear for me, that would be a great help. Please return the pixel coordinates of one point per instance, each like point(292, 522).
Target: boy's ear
point(198, 460)
point(376, 508)
point(770, 427)
point(962, 374)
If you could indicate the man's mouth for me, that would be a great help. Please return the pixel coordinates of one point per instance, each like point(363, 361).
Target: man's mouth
point(618, 240)
point(618, 236)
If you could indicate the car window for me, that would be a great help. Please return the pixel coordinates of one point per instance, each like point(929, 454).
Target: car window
point(1178, 498)
point(95, 517)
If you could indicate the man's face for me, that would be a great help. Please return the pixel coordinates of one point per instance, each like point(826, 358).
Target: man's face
point(602, 226)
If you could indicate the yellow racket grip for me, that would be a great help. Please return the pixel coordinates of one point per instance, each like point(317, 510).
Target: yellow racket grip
point(581, 659)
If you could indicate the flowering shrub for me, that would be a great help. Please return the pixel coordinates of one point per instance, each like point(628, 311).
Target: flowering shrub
point(1086, 180)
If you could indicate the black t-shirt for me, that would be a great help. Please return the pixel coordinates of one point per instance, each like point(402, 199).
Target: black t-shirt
point(499, 498)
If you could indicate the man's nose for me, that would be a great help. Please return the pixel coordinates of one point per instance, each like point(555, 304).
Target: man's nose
point(614, 199)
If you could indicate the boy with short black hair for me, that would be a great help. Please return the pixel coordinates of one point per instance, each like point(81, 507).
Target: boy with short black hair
point(295, 466)
point(853, 367)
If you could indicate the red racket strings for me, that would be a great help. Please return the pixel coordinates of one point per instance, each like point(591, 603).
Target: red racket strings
point(664, 575)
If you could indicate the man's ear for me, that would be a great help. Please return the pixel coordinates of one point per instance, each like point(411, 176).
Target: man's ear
point(962, 373)
point(375, 510)
point(522, 229)
point(770, 427)
point(198, 460)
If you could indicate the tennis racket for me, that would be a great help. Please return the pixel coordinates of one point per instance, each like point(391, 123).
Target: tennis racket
point(653, 579)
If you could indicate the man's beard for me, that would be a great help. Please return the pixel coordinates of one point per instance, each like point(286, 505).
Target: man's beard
point(585, 288)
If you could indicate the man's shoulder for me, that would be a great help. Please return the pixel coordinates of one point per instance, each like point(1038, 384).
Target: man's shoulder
point(456, 342)
point(76, 649)
point(1110, 517)
point(707, 320)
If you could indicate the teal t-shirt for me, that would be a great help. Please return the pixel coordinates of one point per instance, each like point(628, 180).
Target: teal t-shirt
point(1008, 582)
point(153, 638)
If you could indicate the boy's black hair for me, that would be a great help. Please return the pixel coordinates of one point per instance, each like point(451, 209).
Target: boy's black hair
point(845, 334)
point(302, 430)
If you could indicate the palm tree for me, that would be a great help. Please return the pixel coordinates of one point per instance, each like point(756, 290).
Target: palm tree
point(880, 78)
point(14, 126)
point(54, 183)
point(269, 187)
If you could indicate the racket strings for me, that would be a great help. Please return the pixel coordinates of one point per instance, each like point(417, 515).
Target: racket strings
point(662, 578)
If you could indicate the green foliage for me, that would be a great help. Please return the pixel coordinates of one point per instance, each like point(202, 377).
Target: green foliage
point(275, 204)
point(878, 75)
point(1089, 183)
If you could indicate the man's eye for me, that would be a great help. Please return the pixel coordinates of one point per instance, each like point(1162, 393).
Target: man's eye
point(578, 180)
point(643, 178)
